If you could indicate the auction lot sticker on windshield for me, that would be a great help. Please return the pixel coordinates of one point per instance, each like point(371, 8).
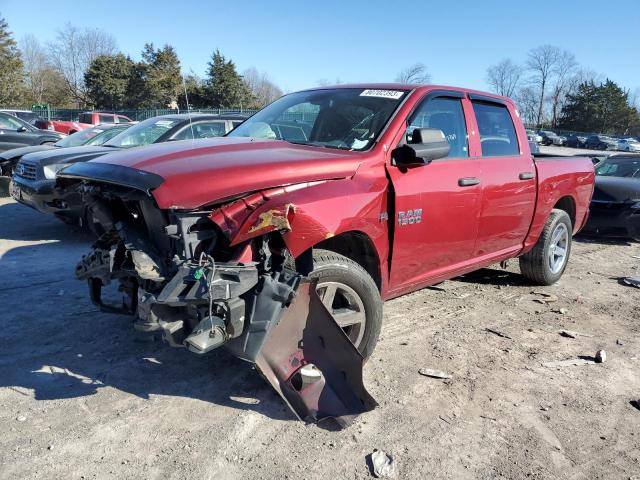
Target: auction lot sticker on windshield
point(394, 94)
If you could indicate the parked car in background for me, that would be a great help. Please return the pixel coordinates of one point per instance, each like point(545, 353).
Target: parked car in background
point(532, 136)
point(550, 138)
point(576, 141)
point(615, 207)
point(628, 145)
point(87, 120)
point(33, 181)
point(600, 142)
point(15, 133)
point(29, 117)
point(91, 136)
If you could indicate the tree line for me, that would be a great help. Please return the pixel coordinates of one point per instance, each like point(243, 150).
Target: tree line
point(82, 68)
point(552, 90)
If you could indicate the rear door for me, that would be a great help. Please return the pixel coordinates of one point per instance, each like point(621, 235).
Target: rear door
point(508, 178)
point(437, 206)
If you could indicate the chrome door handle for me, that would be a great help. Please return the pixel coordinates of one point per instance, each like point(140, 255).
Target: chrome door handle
point(468, 181)
point(526, 176)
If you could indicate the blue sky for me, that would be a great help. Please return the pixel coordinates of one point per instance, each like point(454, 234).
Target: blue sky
point(299, 43)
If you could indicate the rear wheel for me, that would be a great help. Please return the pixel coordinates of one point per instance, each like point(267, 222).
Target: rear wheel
point(546, 261)
point(352, 297)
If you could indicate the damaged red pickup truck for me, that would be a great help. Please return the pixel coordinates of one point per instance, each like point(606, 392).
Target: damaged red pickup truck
point(281, 240)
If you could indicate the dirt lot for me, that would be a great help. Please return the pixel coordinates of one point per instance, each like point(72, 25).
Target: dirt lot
point(81, 396)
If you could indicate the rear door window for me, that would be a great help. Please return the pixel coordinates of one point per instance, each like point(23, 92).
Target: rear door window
point(497, 133)
point(106, 118)
point(445, 114)
point(85, 118)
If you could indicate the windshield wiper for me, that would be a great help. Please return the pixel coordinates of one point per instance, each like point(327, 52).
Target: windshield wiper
point(335, 147)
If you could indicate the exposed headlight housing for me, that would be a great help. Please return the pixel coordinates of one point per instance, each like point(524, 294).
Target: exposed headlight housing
point(50, 171)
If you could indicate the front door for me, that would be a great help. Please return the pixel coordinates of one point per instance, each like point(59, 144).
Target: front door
point(437, 206)
point(10, 136)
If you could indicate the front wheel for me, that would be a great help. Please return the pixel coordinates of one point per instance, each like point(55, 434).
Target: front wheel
point(352, 297)
point(545, 263)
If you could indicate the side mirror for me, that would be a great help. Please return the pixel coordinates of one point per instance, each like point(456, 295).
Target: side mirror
point(22, 129)
point(427, 144)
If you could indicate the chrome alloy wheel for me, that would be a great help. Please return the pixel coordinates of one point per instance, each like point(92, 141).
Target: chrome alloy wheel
point(558, 246)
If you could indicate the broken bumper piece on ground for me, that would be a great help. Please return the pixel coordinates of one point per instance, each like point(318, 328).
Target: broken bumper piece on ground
point(276, 321)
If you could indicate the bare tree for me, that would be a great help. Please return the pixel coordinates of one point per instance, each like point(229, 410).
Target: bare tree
point(36, 67)
point(527, 100)
point(73, 51)
point(564, 74)
point(504, 77)
point(262, 88)
point(416, 73)
point(542, 62)
point(634, 99)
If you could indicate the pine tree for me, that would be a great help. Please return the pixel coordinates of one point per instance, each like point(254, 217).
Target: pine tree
point(162, 76)
point(602, 108)
point(225, 87)
point(11, 72)
point(107, 81)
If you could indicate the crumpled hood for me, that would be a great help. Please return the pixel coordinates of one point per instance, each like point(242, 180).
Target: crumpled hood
point(201, 172)
point(616, 189)
point(66, 155)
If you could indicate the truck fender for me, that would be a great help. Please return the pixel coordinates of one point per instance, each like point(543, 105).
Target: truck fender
point(307, 214)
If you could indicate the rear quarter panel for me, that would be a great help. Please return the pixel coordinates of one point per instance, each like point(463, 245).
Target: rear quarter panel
point(560, 177)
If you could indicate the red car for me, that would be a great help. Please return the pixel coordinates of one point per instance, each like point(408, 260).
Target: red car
point(282, 240)
point(86, 120)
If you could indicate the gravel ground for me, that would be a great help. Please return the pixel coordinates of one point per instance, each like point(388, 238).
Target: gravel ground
point(83, 396)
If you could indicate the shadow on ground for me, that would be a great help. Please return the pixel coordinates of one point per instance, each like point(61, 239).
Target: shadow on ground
point(57, 345)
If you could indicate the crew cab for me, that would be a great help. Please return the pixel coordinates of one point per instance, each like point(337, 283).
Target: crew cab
point(87, 120)
point(281, 240)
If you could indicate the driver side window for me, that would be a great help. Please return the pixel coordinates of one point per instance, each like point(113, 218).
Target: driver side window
point(9, 123)
point(445, 114)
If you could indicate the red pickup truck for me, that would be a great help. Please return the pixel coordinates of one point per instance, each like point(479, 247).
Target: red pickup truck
point(86, 120)
point(281, 240)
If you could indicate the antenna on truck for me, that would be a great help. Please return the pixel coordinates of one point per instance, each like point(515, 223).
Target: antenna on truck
point(186, 99)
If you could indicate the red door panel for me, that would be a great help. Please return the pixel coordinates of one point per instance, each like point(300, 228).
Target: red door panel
point(508, 179)
point(445, 235)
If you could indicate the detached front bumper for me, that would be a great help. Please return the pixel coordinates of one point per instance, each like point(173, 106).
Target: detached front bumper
point(274, 320)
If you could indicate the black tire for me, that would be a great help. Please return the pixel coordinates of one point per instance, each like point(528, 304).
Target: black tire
point(536, 265)
point(332, 268)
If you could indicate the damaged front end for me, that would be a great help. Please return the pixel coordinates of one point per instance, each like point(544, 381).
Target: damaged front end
point(181, 277)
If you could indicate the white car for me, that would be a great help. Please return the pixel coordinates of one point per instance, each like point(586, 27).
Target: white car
point(534, 137)
point(628, 145)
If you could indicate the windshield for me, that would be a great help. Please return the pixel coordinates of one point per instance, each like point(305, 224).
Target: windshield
point(619, 168)
point(144, 133)
point(107, 135)
point(79, 138)
point(344, 118)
